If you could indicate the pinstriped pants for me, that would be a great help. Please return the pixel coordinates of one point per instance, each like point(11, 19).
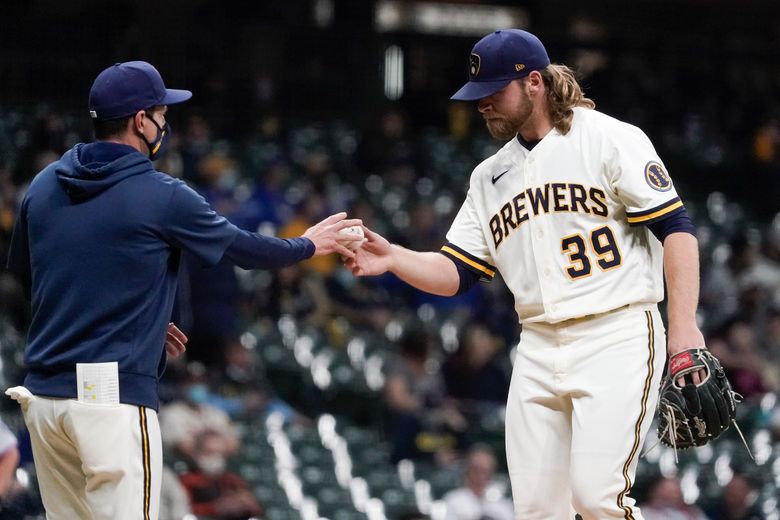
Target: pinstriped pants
point(94, 461)
point(581, 400)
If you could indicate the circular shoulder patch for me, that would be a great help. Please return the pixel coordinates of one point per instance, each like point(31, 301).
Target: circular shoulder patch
point(656, 177)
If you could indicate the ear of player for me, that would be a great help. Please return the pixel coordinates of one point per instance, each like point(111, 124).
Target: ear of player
point(694, 414)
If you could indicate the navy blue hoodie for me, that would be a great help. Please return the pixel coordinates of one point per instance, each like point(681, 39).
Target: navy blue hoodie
point(98, 240)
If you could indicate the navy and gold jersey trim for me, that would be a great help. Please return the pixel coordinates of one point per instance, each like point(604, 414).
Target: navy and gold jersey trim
point(147, 462)
point(472, 263)
point(649, 216)
point(627, 510)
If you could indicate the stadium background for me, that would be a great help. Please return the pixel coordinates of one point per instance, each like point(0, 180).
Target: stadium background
point(306, 107)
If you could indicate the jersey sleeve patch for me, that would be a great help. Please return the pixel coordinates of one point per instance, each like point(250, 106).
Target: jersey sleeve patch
point(656, 176)
point(655, 214)
point(472, 263)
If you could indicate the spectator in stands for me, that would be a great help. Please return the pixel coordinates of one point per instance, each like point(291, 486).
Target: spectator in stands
point(174, 501)
point(388, 149)
point(752, 267)
point(477, 500)
point(739, 353)
point(267, 204)
point(183, 420)
point(9, 460)
point(317, 169)
point(218, 177)
point(665, 502)
point(745, 269)
point(244, 390)
point(15, 500)
point(420, 422)
point(765, 146)
point(426, 227)
point(215, 492)
point(771, 339)
point(772, 245)
point(738, 501)
point(364, 303)
point(195, 145)
point(296, 292)
point(474, 374)
point(309, 210)
point(49, 133)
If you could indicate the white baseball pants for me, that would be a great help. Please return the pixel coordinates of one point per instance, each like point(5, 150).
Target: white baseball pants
point(581, 400)
point(94, 461)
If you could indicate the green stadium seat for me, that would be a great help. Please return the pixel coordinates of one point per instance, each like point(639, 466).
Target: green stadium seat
point(443, 481)
point(302, 435)
point(257, 473)
point(397, 501)
point(281, 513)
point(313, 455)
point(382, 478)
point(346, 514)
point(314, 478)
point(368, 458)
point(271, 495)
point(331, 498)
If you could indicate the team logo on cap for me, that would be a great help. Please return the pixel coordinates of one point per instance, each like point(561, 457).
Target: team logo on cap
point(656, 177)
point(474, 62)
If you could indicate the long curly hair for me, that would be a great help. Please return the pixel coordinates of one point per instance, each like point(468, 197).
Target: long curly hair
point(563, 93)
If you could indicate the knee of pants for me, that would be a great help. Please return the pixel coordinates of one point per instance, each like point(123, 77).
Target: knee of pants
point(597, 498)
point(543, 506)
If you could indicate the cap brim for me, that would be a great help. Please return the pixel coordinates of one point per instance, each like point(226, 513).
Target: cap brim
point(474, 90)
point(173, 96)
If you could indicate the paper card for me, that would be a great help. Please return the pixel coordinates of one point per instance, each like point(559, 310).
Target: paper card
point(98, 383)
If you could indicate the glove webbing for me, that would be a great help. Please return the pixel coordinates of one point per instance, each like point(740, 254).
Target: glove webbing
point(671, 423)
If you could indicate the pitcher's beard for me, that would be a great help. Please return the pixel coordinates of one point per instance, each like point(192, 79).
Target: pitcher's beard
point(506, 128)
point(501, 129)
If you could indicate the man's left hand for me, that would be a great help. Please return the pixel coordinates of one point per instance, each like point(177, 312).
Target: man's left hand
point(175, 341)
point(680, 339)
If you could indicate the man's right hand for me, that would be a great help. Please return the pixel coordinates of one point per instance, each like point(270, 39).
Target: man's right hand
point(427, 271)
point(374, 257)
point(326, 238)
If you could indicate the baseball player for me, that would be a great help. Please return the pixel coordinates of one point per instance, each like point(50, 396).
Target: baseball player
point(579, 215)
point(97, 245)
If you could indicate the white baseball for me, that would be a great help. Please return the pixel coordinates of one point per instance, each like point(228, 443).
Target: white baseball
point(354, 237)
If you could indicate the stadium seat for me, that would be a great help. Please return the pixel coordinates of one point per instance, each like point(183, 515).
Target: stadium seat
point(281, 513)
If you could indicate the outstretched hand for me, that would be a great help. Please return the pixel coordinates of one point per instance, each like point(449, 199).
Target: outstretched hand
point(175, 341)
point(374, 257)
point(326, 237)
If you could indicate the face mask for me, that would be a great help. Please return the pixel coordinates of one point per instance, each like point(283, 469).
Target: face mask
point(211, 465)
point(159, 146)
point(228, 180)
point(198, 393)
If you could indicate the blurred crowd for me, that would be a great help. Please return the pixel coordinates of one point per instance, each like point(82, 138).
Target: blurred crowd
point(445, 363)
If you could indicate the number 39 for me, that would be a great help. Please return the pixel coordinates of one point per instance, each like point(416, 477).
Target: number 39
point(604, 246)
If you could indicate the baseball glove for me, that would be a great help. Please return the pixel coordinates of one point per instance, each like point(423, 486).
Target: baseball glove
point(695, 414)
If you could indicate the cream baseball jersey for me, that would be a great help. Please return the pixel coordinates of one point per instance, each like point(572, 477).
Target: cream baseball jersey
point(565, 222)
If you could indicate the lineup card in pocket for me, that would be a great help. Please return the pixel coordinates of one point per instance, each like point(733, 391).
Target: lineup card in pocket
point(98, 383)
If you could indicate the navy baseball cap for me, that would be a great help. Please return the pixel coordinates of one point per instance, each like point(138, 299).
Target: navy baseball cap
point(498, 58)
point(125, 88)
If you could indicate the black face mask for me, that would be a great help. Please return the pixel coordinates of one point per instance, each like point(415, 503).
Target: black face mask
point(160, 144)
